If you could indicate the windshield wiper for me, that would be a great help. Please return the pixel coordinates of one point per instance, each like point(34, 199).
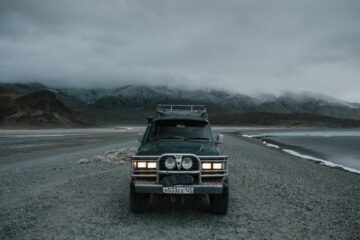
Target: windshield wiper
point(197, 138)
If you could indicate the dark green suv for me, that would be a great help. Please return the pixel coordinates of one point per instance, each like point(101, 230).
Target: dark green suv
point(179, 155)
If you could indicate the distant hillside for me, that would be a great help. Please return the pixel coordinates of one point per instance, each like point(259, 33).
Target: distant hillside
point(35, 109)
point(133, 103)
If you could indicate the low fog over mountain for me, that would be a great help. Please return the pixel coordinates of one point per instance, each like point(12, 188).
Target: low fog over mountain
point(133, 103)
point(131, 55)
point(246, 46)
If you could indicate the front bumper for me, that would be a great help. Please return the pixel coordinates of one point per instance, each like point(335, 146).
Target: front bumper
point(209, 188)
point(201, 174)
point(204, 181)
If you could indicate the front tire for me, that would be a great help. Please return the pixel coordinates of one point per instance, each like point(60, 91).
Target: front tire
point(138, 201)
point(219, 203)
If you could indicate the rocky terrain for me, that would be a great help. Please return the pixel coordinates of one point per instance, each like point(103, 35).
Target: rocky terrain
point(38, 108)
point(133, 103)
point(48, 191)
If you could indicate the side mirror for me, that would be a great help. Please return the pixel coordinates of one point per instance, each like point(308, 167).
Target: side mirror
point(149, 119)
point(140, 137)
point(219, 139)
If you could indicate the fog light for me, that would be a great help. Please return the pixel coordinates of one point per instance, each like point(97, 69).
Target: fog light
point(170, 163)
point(141, 164)
point(187, 163)
point(151, 165)
point(217, 166)
point(206, 166)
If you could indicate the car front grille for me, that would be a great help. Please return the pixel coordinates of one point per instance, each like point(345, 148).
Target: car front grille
point(195, 171)
point(195, 166)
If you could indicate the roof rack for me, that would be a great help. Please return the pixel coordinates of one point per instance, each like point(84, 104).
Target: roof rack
point(198, 110)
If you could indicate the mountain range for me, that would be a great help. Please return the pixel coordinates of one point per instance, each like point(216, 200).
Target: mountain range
point(34, 104)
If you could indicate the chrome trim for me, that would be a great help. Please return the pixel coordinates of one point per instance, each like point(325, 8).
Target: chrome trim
point(198, 188)
point(212, 160)
point(144, 158)
point(144, 170)
point(158, 171)
point(157, 156)
point(213, 175)
point(179, 172)
point(136, 173)
point(143, 175)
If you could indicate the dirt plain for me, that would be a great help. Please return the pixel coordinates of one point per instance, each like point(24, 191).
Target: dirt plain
point(50, 189)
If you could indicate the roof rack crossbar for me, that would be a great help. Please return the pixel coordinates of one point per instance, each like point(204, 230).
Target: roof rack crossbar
point(178, 108)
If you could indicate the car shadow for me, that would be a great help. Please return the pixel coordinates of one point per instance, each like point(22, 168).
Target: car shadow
point(160, 208)
point(178, 203)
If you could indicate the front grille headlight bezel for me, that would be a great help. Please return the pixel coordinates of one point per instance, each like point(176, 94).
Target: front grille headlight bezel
point(151, 165)
point(217, 166)
point(206, 166)
point(187, 163)
point(144, 165)
point(170, 163)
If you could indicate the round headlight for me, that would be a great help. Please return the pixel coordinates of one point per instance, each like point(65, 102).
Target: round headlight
point(187, 163)
point(170, 163)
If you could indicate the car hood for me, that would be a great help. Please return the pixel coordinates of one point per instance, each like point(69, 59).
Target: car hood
point(194, 147)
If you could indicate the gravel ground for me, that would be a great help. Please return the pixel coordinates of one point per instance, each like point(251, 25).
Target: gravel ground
point(50, 195)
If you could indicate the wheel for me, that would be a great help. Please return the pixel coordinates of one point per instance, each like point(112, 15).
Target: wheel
point(219, 203)
point(138, 201)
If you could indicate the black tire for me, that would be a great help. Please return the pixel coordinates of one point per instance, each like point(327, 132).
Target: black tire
point(138, 201)
point(219, 203)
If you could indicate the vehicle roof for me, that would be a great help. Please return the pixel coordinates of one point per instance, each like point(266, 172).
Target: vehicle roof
point(181, 112)
point(181, 116)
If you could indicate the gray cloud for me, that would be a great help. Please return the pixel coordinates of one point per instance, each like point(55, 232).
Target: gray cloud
point(246, 46)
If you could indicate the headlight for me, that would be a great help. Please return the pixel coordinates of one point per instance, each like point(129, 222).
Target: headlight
point(212, 166)
point(151, 165)
point(144, 165)
point(206, 166)
point(187, 163)
point(217, 166)
point(141, 165)
point(170, 163)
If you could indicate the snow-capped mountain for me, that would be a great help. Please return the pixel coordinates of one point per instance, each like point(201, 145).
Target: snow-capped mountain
point(135, 102)
point(148, 96)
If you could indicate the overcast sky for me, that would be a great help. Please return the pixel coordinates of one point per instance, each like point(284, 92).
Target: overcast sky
point(246, 46)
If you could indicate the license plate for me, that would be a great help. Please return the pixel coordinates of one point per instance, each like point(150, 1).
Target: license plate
point(178, 190)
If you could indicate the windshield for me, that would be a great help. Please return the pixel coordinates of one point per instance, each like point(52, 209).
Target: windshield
point(180, 129)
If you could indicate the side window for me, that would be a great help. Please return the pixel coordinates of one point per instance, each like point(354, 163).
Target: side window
point(147, 131)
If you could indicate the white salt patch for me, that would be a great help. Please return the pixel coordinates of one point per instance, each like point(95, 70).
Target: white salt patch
point(84, 161)
point(292, 152)
point(120, 156)
point(351, 170)
point(321, 161)
point(272, 145)
point(327, 133)
point(247, 136)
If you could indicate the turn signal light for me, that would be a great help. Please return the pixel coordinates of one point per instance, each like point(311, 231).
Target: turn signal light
point(206, 166)
point(144, 165)
point(212, 166)
point(217, 166)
